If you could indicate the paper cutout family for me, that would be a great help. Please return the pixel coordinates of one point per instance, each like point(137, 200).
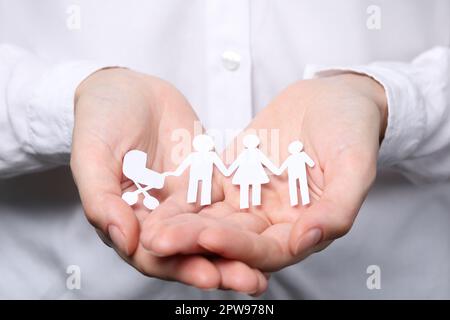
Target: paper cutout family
point(248, 171)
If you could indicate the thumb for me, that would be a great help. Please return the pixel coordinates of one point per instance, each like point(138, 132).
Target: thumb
point(347, 182)
point(97, 173)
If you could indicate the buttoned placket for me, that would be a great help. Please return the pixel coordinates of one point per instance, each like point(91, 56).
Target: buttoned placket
point(228, 85)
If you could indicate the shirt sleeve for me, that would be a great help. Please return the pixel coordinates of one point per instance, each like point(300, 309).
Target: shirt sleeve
point(417, 138)
point(36, 110)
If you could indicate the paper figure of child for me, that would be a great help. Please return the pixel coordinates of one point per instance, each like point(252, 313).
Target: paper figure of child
point(250, 171)
point(135, 169)
point(201, 164)
point(296, 166)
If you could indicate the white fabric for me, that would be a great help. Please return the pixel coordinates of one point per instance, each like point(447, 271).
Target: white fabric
point(230, 58)
point(417, 140)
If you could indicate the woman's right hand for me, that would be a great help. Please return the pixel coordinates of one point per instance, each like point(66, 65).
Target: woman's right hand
point(117, 110)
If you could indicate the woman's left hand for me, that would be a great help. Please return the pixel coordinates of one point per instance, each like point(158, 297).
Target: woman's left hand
point(341, 121)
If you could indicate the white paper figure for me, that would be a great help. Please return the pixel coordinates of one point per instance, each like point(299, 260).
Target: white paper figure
point(296, 166)
point(201, 169)
point(250, 171)
point(135, 169)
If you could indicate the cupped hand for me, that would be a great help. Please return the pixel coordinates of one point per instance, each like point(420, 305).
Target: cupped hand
point(117, 110)
point(341, 121)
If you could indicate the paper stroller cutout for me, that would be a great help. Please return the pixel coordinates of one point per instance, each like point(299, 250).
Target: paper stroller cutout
point(135, 169)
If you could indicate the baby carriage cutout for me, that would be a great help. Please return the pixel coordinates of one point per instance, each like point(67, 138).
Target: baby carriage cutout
point(135, 169)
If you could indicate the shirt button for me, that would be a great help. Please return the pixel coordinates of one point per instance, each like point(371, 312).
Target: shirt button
point(231, 60)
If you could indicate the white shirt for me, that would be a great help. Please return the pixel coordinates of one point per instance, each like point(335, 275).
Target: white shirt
point(230, 58)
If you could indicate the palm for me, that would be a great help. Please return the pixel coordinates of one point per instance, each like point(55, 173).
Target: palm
point(342, 139)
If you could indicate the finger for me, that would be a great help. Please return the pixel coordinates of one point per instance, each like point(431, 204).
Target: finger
point(226, 212)
point(245, 221)
point(263, 280)
point(347, 181)
point(179, 234)
point(176, 235)
point(97, 175)
point(268, 251)
point(164, 234)
point(218, 210)
point(238, 276)
point(161, 218)
point(174, 205)
point(195, 271)
point(202, 273)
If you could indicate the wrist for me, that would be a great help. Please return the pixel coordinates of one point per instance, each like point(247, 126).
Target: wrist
point(105, 77)
point(374, 91)
point(378, 95)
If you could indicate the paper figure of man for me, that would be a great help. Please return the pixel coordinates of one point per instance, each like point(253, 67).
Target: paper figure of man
point(201, 164)
point(296, 166)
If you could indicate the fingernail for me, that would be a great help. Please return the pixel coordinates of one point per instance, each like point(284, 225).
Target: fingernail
point(310, 239)
point(118, 238)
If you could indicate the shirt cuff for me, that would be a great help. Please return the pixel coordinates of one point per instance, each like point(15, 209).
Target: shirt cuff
point(406, 117)
point(50, 113)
